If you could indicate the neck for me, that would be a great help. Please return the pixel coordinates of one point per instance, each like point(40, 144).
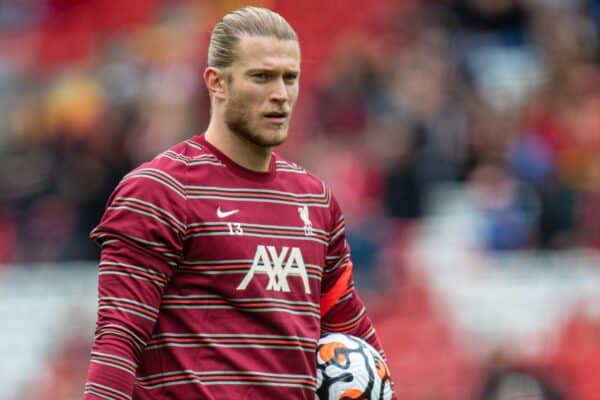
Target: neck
point(237, 148)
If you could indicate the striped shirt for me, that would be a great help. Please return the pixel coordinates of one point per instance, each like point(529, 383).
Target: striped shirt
point(216, 282)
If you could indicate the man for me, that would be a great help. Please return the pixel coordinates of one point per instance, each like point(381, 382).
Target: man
point(223, 263)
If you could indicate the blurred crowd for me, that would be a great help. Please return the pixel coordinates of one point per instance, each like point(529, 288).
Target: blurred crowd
point(500, 96)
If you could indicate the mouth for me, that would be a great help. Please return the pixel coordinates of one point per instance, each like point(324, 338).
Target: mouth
point(278, 117)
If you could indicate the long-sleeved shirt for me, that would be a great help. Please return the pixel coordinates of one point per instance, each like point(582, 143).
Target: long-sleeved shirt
point(216, 282)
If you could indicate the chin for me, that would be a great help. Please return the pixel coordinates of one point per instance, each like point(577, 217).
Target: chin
point(270, 139)
point(267, 137)
point(262, 136)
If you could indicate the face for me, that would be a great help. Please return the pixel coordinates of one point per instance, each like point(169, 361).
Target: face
point(262, 89)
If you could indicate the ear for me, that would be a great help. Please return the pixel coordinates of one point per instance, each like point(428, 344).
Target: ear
point(215, 81)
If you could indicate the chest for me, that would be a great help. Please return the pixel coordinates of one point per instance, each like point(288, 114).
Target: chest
point(255, 244)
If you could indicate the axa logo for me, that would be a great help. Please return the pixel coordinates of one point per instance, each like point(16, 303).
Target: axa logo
point(278, 266)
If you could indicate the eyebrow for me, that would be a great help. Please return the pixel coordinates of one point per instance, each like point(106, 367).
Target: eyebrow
point(272, 70)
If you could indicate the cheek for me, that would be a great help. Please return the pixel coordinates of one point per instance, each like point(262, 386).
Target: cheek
point(235, 110)
point(293, 95)
point(251, 101)
point(240, 103)
point(242, 93)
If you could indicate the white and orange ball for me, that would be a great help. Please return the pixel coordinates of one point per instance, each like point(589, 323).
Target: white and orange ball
point(348, 368)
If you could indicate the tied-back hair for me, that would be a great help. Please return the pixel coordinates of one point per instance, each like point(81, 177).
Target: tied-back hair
point(251, 21)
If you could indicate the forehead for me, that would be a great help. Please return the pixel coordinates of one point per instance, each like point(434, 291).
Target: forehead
point(267, 52)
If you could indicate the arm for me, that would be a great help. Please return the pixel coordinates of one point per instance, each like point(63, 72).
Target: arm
point(342, 310)
point(141, 245)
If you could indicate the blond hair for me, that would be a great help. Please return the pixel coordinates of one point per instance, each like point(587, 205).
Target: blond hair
point(252, 21)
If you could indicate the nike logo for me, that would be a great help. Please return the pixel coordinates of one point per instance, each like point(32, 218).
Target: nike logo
point(225, 214)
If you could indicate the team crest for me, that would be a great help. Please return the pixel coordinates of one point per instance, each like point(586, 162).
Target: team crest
point(303, 212)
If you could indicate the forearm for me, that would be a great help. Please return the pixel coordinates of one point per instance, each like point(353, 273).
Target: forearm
point(111, 372)
point(130, 286)
point(349, 316)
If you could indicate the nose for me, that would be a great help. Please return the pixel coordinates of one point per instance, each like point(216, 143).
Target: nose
point(279, 91)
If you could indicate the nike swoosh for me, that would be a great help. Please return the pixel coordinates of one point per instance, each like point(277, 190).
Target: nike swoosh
point(225, 214)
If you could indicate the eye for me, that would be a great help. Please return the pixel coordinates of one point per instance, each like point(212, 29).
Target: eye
point(290, 78)
point(260, 76)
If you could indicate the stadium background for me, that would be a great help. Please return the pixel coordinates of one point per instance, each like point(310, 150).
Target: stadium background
point(462, 138)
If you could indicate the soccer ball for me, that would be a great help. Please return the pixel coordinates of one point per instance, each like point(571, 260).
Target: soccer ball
point(348, 368)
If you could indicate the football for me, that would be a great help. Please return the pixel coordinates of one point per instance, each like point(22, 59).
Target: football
point(348, 368)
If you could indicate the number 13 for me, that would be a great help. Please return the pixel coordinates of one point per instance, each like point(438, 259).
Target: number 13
point(235, 228)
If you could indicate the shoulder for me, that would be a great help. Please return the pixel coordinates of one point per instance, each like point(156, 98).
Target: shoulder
point(186, 156)
point(315, 189)
point(171, 168)
point(298, 175)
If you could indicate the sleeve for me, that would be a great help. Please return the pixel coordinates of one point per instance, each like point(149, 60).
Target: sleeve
point(141, 234)
point(342, 310)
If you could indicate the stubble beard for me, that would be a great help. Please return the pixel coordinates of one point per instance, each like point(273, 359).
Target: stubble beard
point(238, 120)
